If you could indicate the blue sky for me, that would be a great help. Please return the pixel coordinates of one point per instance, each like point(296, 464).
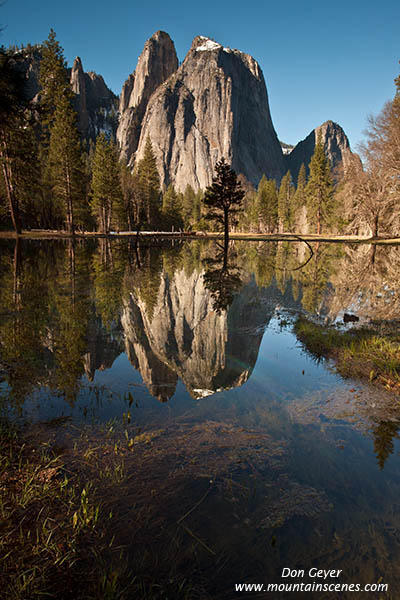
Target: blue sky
point(321, 60)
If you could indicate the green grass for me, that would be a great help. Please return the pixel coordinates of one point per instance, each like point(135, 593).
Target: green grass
point(361, 353)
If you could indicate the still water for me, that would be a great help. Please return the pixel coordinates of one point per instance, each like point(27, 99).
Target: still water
point(241, 453)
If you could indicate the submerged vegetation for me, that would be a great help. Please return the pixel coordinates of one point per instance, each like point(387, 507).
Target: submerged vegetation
point(61, 531)
point(49, 522)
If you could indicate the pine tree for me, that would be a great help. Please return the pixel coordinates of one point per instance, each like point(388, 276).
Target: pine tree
point(285, 203)
point(224, 197)
point(188, 205)
point(267, 205)
point(319, 189)
point(130, 193)
point(17, 141)
point(172, 208)
point(65, 161)
point(54, 87)
point(119, 215)
point(300, 194)
point(53, 81)
point(106, 194)
point(149, 181)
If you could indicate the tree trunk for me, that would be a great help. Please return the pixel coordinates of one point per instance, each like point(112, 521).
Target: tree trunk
point(70, 214)
point(17, 273)
point(226, 227)
point(8, 179)
point(376, 226)
point(319, 221)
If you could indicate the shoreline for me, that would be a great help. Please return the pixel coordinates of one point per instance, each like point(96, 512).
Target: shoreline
point(273, 237)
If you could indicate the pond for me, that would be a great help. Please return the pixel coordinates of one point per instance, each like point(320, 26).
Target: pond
point(233, 454)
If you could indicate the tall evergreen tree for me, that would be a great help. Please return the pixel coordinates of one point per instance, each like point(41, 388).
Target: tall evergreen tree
point(188, 206)
point(300, 194)
point(224, 197)
point(119, 214)
point(65, 161)
point(54, 85)
point(285, 203)
point(17, 142)
point(172, 208)
point(267, 205)
point(106, 194)
point(149, 181)
point(319, 189)
point(53, 81)
point(130, 194)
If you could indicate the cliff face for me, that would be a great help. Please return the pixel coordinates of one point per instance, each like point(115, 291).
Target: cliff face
point(186, 338)
point(336, 145)
point(214, 105)
point(94, 102)
point(155, 64)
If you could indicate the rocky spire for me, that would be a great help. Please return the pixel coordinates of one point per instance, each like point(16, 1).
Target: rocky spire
point(156, 63)
point(214, 105)
point(79, 88)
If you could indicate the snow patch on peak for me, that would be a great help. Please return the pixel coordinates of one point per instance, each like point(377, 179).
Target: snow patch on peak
point(208, 45)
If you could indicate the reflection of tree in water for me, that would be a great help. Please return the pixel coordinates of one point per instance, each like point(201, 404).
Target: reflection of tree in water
point(24, 314)
point(258, 258)
point(384, 433)
point(368, 277)
point(147, 279)
point(109, 264)
point(289, 257)
point(316, 276)
point(46, 307)
point(222, 277)
point(71, 311)
point(369, 411)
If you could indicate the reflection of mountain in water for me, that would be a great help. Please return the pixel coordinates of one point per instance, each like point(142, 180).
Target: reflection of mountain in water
point(102, 348)
point(185, 336)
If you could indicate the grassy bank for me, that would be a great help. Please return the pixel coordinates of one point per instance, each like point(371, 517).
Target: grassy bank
point(49, 532)
point(361, 353)
point(64, 524)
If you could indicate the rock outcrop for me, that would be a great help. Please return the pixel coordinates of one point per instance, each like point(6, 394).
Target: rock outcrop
point(95, 103)
point(336, 145)
point(214, 105)
point(29, 67)
point(155, 64)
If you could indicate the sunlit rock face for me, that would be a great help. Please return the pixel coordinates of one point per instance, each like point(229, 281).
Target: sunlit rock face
point(185, 337)
point(337, 149)
point(215, 105)
point(156, 63)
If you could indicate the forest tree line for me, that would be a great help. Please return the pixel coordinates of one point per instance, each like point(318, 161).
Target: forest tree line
point(52, 179)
